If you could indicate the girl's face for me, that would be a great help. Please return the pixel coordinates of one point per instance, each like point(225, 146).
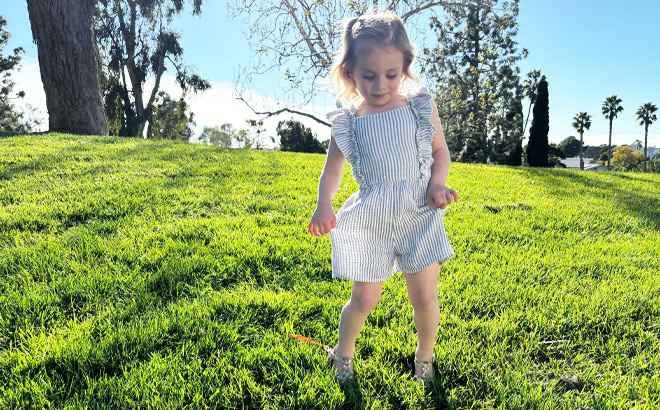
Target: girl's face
point(378, 75)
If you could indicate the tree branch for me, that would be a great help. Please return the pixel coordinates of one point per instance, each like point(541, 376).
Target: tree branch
point(429, 5)
point(159, 74)
point(268, 114)
point(300, 28)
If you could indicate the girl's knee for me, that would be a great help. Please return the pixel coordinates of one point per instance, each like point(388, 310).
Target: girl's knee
point(366, 298)
point(424, 300)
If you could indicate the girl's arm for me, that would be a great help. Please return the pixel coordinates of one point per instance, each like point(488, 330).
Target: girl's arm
point(438, 195)
point(324, 219)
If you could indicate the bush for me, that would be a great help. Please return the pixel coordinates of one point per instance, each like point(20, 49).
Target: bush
point(626, 159)
point(294, 136)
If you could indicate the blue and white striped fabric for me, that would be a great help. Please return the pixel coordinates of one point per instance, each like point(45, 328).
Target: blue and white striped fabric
point(387, 225)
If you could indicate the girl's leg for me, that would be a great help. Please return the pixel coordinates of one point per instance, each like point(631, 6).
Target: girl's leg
point(423, 294)
point(364, 299)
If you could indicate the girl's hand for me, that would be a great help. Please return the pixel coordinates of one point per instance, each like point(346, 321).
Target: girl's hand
point(439, 196)
point(323, 220)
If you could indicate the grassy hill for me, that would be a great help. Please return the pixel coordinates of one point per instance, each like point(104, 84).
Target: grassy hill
point(156, 274)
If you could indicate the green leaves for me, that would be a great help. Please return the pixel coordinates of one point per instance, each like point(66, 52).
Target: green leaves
point(611, 107)
point(646, 114)
point(11, 120)
point(479, 93)
point(135, 40)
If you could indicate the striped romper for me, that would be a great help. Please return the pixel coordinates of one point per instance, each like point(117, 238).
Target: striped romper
point(387, 225)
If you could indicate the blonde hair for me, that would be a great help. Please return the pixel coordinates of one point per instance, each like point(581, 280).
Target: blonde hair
point(359, 36)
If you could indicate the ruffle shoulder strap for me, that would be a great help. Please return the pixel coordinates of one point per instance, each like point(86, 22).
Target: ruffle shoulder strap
point(420, 103)
point(343, 131)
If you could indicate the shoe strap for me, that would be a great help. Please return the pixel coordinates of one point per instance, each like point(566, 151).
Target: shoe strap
point(426, 367)
point(344, 373)
point(417, 361)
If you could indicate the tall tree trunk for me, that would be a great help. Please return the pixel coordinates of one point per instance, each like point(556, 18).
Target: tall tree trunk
point(480, 130)
point(609, 147)
point(127, 28)
point(69, 65)
point(531, 102)
point(646, 137)
point(581, 151)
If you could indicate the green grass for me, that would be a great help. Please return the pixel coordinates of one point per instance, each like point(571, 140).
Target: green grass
point(156, 274)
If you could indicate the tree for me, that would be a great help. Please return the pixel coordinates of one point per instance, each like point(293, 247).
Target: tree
point(517, 155)
point(69, 66)
point(625, 159)
point(555, 155)
point(602, 159)
point(219, 136)
point(226, 134)
point(242, 139)
point(256, 128)
point(529, 88)
point(570, 146)
point(135, 40)
point(473, 68)
point(611, 108)
point(294, 136)
point(10, 119)
point(646, 116)
point(169, 119)
point(595, 151)
point(581, 122)
point(537, 149)
point(654, 165)
point(505, 142)
point(299, 38)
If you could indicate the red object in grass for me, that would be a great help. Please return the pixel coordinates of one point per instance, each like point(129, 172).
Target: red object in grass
point(306, 340)
point(314, 342)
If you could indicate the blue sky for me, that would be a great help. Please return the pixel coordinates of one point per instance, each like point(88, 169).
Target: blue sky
point(588, 49)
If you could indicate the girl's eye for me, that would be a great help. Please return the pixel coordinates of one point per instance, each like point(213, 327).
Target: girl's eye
point(371, 78)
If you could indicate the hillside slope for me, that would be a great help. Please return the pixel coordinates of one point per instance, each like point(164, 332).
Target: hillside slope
point(153, 273)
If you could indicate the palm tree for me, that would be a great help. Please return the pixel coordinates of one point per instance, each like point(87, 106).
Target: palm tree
point(646, 116)
point(611, 108)
point(530, 88)
point(581, 122)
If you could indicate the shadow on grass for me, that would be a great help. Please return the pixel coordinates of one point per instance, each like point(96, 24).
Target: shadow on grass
point(67, 155)
point(354, 398)
point(435, 395)
point(6, 134)
point(627, 198)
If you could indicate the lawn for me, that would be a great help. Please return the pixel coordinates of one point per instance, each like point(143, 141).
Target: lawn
point(158, 274)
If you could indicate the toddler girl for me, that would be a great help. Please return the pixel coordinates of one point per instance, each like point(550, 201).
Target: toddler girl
point(395, 145)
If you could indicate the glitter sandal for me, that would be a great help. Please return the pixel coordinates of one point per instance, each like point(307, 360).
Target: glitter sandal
point(426, 370)
point(341, 366)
